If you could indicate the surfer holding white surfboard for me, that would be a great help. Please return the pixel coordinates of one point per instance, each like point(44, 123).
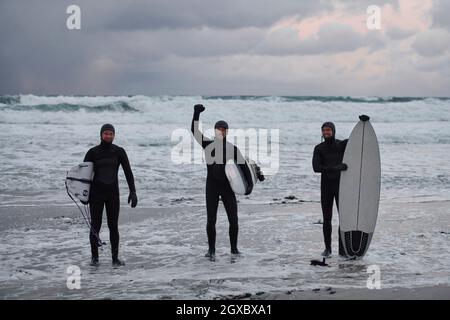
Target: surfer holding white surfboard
point(327, 160)
point(360, 190)
point(104, 192)
point(217, 152)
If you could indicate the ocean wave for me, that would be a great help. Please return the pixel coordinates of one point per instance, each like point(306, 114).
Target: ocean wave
point(33, 100)
point(25, 102)
point(118, 106)
point(154, 144)
point(6, 100)
point(326, 99)
point(142, 103)
point(264, 111)
point(30, 99)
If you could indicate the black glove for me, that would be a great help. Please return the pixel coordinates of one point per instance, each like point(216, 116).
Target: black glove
point(341, 167)
point(259, 174)
point(199, 108)
point(363, 117)
point(133, 199)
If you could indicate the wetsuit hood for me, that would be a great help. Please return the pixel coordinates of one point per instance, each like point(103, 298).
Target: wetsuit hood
point(331, 125)
point(106, 127)
point(221, 124)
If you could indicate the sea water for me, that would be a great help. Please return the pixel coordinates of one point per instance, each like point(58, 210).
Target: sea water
point(41, 137)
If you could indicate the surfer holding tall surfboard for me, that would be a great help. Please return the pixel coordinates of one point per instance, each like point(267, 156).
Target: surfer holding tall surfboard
point(327, 160)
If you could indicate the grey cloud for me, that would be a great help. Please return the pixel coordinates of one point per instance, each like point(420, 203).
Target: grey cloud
point(399, 34)
point(38, 52)
point(192, 42)
point(432, 42)
point(183, 49)
point(440, 14)
point(175, 14)
point(360, 6)
point(290, 75)
point(435, 64)
point(331, 38)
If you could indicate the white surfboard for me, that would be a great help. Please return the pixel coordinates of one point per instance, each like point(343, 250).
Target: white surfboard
point(78, 181)
point(78, 185)
point(237, 178)
point(359, 190)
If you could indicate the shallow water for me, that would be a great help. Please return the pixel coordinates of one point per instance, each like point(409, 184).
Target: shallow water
point(164, 252)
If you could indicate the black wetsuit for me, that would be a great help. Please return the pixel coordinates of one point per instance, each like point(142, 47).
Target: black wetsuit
point(217, 153)
point(107, 158)
point(328, 155)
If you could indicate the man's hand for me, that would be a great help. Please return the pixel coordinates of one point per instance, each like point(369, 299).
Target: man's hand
point(259, 174)
point(133, 199)
point(363, 117)
point(341, 167)
point(199, 108)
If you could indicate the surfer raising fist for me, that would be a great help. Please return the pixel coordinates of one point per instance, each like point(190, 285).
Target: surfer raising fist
point(107, 157)
point(217, 152)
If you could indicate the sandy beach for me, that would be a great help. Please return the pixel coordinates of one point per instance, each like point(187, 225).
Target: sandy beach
point(439, 292)
point(164, 247)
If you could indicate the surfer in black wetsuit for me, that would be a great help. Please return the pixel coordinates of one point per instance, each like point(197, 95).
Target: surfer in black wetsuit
point(327, 159)
point(217, 153)
point(107, 157)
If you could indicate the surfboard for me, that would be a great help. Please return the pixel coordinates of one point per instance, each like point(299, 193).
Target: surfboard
point(78, 186)
point(359, 190)
point(78, 181)
point(236, 177)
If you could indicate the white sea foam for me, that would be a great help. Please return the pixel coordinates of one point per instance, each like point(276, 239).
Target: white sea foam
point(40, 145)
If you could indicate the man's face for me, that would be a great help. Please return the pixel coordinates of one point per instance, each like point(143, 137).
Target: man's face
point(327, 132)
point(108, 136)
point(221, 133)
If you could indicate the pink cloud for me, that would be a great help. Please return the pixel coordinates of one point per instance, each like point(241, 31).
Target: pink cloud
point(410, 15)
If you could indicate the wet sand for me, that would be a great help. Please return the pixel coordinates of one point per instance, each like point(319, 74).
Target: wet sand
point(164, 248)
point(441, 292)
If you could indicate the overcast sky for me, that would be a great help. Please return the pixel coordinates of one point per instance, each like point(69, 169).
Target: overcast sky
point(225, 47)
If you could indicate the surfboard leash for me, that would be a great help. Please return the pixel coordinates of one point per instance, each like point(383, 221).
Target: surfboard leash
point(86, 217)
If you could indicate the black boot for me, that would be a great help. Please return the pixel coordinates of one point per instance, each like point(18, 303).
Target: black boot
point(235, 251)
point(211, 254)
point(117, 262)
point(326, 253)
point(94, 262)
